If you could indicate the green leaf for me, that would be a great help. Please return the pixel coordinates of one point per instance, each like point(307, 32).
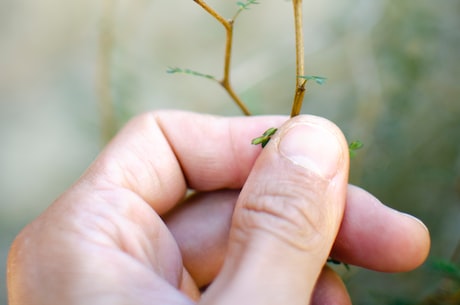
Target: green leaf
point(265, 137)
point(320, 80)
point(353, 147)
point(245, 5)
point(447, 268)
point(173, 70)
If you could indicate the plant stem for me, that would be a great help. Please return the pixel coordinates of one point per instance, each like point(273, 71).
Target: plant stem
point(225, 82)
point(212, 12)
point(299, 47)
point(106, 108)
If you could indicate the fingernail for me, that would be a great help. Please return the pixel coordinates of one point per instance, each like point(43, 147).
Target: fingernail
point(415, 219)
point(312, 146)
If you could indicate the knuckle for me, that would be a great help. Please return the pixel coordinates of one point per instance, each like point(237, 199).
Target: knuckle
point(290, 211)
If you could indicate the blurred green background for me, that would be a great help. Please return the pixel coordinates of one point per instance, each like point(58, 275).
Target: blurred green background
point(393, 73)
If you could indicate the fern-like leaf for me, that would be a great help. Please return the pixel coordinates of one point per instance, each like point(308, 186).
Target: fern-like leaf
point(318, 79)
point(173, 70)
point(247, 4)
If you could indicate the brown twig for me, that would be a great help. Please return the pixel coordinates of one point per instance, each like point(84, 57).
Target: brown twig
point(225, 82)
point(299, 46)
point(106, 108)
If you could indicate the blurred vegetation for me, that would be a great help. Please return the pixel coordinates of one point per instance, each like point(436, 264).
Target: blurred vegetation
point(392, 69)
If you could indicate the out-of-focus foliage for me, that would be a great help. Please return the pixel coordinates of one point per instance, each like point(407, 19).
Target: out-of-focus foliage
point(392, 70)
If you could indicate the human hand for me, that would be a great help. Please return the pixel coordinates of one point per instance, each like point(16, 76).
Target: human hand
point(123, 234)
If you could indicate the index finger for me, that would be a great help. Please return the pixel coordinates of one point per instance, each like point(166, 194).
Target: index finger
point(159, 155)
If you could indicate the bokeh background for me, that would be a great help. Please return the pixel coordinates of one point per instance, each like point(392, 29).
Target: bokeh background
point(393, 71)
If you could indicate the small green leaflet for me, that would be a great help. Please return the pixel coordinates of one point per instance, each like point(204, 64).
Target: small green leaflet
point(318, 79)
point(245, 5)
point(447, 268)
point(265, 137)
point(353, 147)
point(173, 70)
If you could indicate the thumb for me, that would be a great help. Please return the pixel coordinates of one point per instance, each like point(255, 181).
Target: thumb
point(286, 218)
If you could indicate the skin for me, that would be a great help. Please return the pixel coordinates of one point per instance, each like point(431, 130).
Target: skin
point(258, 229)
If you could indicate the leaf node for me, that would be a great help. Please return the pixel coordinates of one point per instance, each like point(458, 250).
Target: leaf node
point(320, 80)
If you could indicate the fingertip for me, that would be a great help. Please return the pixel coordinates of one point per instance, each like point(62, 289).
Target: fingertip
point(415, 245)
point(315, 144)
point(378, 237)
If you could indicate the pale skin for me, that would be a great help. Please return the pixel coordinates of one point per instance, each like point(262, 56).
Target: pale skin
point(258, 231)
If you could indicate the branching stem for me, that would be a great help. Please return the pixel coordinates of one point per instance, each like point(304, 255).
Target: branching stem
point(300, 69)
point(225, 82)
point(212, 12)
